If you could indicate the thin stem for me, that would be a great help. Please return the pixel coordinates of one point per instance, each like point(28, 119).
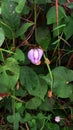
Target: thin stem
point(10, 30)
point(57, 22)
point(35, 12)
point(8, 51)
point(17, 99)
point(50, 72)
point(2, 55)
point(35, 15)
point(13, 108)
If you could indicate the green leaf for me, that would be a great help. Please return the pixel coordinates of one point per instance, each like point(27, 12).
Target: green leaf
point(20, 6)
point(14, 119)
point(9, 74)
point(42, 1)
point(26, 10)
point(19, 55)
point(28, 117)
point(53, 126)
point(21, 92)
point(43, 37)
point(7, 29)
point(33, 103)
point(47, 104)
point(30, 80)
point(68, 31)
point(62, 1)
point(51, 15)
point(23, 29)
point(2, 36)
point(9, 15)
point(32, 124)
point(18, 105)
point(61, 76)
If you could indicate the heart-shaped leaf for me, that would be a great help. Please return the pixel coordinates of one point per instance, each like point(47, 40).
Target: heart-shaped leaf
point(9, 74)
point(62, 76)
point(33, 84)
point(33, 103)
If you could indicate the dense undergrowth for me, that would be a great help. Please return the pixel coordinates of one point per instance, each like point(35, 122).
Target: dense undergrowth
point(36, 62)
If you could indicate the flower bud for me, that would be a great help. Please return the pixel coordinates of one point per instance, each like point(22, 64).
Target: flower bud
point(35, 55)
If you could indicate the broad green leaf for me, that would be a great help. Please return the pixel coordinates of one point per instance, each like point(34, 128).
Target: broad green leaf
point(19, 55)
point(51, 15)
point(20, 6)
point(42, 1)
point(43, 37)
point(9, 74)
point(23, 29)
point(53, 126)
point(68, 31)
point(2, 36)
point(7, 29)
point(62, 1)
point(26, 10)
point(9, 14)
point(61, 76)
point(33, 103)
point(71, 96)
point(47, 104)
point(30, 80)
point(21, 92)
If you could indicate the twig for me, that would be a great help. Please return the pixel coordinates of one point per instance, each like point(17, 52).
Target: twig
point(27, 128)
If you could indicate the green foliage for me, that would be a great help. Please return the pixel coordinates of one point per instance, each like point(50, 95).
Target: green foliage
point(14, 118)
point(51, 15)
point(32, 83)
point(42, 1)
point(9, 15)
point(20, 5)
point(33, 103)
point(9, 75)
point(2, 36)
point(32, 95)
point(61, 76)
point(23, 29)
point(43, 37)
point(68, 31)
point(19, 55)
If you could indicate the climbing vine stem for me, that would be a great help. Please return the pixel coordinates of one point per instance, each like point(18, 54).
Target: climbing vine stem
point(50, 72)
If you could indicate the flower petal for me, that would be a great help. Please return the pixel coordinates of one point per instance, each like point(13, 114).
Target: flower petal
point(34, 55)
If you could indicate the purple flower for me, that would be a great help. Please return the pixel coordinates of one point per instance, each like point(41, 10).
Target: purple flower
point(35, 55)
point(57, 119)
